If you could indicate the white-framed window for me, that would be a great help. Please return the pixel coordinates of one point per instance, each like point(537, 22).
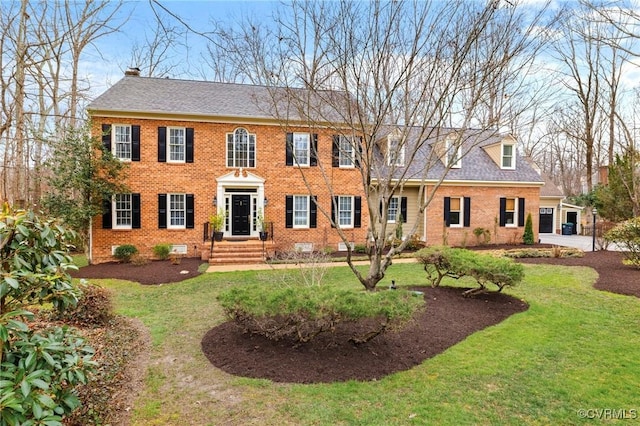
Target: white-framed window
point(122, 142)
point(346, 152)
point(508, 156)
point(301, 148)
point(345, 211)
point(455, 212)
point(122, 211)
point(176, 146)
point(511, 212)
point(241, 148)
point(452, 155)
point(395, 152)
point(300, 211)
point(393, 209)
point(177, 209)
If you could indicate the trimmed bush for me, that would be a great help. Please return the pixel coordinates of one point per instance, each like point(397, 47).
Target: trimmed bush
point(442, 261)
point(300, 313)
point(162, 251)
point(124, 252)
point(627, 236)
point(527, 238)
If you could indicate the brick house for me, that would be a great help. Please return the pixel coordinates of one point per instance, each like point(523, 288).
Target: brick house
point(195, 148)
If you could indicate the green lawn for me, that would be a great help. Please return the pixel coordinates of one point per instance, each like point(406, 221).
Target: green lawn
point(574, 349)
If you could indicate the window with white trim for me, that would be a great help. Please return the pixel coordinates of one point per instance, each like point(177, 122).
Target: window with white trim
point(177, 211)
point(123, 211)
point(176, 144)
point(345, 211)
point(122, 141)
point(346, 152)
point(511, 212)
point(508, 156)
point(455, 212)
point(393, 209)
point(300, 211)
point(241, 148)
point(452, 155)
point(301, 148)
point(395, 152)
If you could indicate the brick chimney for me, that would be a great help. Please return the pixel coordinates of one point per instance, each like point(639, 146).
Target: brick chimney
point(132, 71)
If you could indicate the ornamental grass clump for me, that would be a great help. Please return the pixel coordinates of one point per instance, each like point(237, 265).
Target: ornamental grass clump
point(300, 313)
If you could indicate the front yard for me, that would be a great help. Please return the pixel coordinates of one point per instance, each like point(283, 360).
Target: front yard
point(574, 349)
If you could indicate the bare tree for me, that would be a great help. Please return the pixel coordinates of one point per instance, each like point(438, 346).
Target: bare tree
point(371, 69)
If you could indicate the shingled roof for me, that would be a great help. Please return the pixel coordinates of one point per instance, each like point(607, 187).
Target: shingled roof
point(164, 96)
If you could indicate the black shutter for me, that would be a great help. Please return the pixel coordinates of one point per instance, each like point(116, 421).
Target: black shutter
point(357, 212)
point(106, 137)
point(503, 211)
point(190, 223)
point(189, 145)
point(403, 209)
point(162, 144)
point(135, 211)
point(289, 149)
point(135, 143)
point(106, 214)
point(313, 212)
point(335, 151)
point(520, 211)
point(357, 152)
point(334, 213)
point(313, 160)
point(289, 211)
point(467, 212)
point(447, 210)
point(162, 211)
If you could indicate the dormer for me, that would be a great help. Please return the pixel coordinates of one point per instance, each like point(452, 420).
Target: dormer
point(503, 153)
point(451, 156)
point(395, 149)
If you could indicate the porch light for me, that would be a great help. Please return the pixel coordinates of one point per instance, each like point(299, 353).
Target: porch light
point(215, 201)
point(266, 201)
point(593, 243)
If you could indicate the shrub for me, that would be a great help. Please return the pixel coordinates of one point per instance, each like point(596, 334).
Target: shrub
point(360, 248)
point(300, 313)
point(124, 252)
point(483, 235)
point(456, 263)
point(94, 307)
point(527, 238)
point(627, 236)
point(162, 251)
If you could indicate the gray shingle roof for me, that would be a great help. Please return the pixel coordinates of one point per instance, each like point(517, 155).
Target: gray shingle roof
point(476, 163)
point(190, 97)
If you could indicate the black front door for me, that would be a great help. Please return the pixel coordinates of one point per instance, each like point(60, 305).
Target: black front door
point(240, 214)
point(546, 220)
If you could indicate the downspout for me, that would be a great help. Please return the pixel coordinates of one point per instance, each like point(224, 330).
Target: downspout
point(90, 241)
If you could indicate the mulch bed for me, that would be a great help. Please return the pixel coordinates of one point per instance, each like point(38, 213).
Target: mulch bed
point(448, 319)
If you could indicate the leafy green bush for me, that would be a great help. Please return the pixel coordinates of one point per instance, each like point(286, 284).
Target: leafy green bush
point(360, 248)
point(627, 236)
point(124, 252)
point(483, 235)
point(527, 238)
point(300, 313)
point(40, 369)
point(94, 307)
point(162, 251)
point(441, 261)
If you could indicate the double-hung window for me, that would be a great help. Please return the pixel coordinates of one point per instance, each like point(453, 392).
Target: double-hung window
point(395, 152)
point(176, 144)
point(177, 211)
point(122, 142)
point(122, 209)
point(300, 211)
point(510, 212)
point(455, 212)
point(346, 152)
point(241, 148)
point(345, 212)
point(393, 209)
point(508, 156)
point(301, 148)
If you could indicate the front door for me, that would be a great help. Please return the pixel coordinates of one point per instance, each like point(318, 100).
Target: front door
point(240, 214)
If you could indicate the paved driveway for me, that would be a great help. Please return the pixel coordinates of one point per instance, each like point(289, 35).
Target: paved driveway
point(581, 242)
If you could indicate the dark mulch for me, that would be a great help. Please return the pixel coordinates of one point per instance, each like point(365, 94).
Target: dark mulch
point(448, 319)
point(154, 272)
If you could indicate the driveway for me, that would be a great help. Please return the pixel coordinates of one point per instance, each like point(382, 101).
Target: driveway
point(584, 243)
